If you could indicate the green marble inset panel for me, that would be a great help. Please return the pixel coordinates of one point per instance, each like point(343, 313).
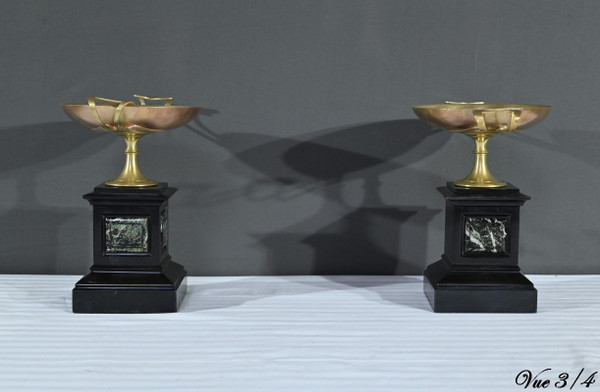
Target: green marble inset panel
point(164, 229)
point(126, 235)
point(485, 235)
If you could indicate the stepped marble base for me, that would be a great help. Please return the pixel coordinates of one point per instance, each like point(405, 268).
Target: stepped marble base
point(132, 270)
point(147, 292)
point(478, 291)
point(479, 269)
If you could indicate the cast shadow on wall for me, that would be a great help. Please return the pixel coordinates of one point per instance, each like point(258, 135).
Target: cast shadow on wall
point(566, 142)
point(370, 237)
point(33, 231)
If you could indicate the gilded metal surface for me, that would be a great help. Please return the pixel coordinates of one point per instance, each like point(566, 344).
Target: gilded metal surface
point(130, 121)
point(143, 99)
point(464, 103)
point(481, 121)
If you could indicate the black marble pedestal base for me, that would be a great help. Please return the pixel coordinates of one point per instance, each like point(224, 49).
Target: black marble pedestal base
point(479, 270)
point(132, 271)
point(133, 292)
point(454, 290)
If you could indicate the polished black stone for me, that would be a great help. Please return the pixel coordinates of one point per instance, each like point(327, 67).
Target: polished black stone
point(132, 270)
point(479, 270)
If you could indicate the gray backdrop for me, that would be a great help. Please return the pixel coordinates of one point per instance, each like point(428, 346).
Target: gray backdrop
point(307, 157)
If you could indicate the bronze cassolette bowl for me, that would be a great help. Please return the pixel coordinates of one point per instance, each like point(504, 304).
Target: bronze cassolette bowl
point(480, 121)
point(131, 121)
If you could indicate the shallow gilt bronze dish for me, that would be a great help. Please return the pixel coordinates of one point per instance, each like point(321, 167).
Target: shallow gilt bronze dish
point(131, 121)
point(481, 121)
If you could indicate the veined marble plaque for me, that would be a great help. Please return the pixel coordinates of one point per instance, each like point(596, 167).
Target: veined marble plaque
point(485, 235)
point(164, 228)
point(126, 235)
